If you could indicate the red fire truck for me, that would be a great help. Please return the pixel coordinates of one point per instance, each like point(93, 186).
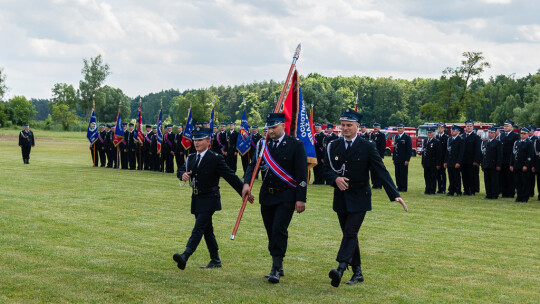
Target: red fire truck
point(391, 132)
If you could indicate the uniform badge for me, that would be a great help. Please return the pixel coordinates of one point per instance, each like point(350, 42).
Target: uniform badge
point(303, 184)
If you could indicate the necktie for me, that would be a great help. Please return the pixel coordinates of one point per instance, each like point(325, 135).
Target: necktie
point(349, 142)
point(197, 160)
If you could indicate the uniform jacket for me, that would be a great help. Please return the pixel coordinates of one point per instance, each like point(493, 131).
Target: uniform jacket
point(232, 138)
point(444, 141)
point(508, 140)
point(492, 154)
point(319, 145)
point(536, 151)
point(380, 142)
point(100, 142)
point(522, 154)
point(473, 147)
point(365, 135)
point(358, 160)
point(290, 154)
point(402, 148)
point(109, 145)
point(26, 138)
point(206, 176)
point(132, 143)
point(223, 140)
point(454, 151)
point(124, 142)
point(431, 155)
point(329, 138)
point(147, 141)
point(254, 140)
point(167, 144)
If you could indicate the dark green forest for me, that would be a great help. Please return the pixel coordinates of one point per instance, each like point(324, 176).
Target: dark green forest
point(458, 95)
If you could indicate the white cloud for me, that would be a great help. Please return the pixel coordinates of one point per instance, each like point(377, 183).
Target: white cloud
point(189, 44)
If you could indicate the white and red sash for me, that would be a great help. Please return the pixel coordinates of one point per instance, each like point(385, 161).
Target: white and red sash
point(274, 166)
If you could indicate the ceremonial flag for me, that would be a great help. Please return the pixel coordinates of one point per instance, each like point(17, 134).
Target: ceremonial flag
point(92, 132)
point(243, 144)
point(297, 122)
point(119, 131)
point(186, 139)
point(212, 124)
point(312, 126)
point(159, 134)
point(138, 131)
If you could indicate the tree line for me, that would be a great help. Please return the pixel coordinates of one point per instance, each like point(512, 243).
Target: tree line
point(458, 95)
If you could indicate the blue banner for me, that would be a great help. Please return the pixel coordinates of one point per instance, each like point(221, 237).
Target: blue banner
point(212, 124)
point(119, 131)
point(303, 130)
point(188, 136)
point(243, 144)
point(159, 133)
point(92, 132)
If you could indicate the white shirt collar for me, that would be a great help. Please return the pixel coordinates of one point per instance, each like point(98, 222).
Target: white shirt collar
point(351, 140)
point(202, 153)
point(281, 138)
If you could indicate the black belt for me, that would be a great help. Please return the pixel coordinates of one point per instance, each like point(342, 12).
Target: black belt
point(357, 185)
point(197, 191)
point(276, 189)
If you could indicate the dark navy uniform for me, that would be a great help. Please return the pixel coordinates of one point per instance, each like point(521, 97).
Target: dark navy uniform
point(402, 154)
point(532, 174)
point(123, 148)
point(206, 170)
point(179, 151)
point(319, 151)
point(522, 156)
point(26, 142)
point(215, 144)
point(353, 159)
point(112, 150)
point(454, 155)
point(506, 182)
point(147, 144)
point(441, 172)
point(277, 198)
point(232, 153)
point(380, 144)
point(536, 150)
point(155, 162)
point(100, 146)
point(471, 158)
point(222, 140)
point(431, 159)
point(248, 156)
point(329, 138)
point(132, 148)
point(167, 151)
point(491, 165)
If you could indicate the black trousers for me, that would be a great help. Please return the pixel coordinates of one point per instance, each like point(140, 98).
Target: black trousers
point(441, 180)
point(522, 184)
point(132, 157)
point(538, 181)
point(112, 160)
point(402, 173)
point(349, 251)
point(25, 152)
point(506, 182)
point(103, 156)
point(430, 177)
point(476, 176)
point(317, 172)
point(531, 183)
point(276, 219)
point(454, 180)
point(491, 181)
point(231, 160)
point(156, 161)
point(245, 160)
point(203, 227)
point(148, 160)
point(124, 159)
point(467, 175)
point(179, 160)
point(169, 162)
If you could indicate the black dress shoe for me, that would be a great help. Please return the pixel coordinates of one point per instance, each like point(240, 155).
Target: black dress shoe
point(449, 194)
point(357, 276)
point(274, 277)
point(213, 264)
point(336, 274)
point(181, 260)
point(458, 194)
point(280, 271)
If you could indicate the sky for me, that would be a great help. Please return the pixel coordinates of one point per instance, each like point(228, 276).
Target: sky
point(159, 44)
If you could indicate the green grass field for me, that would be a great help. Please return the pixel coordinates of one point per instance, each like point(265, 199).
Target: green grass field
point(74, 233)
